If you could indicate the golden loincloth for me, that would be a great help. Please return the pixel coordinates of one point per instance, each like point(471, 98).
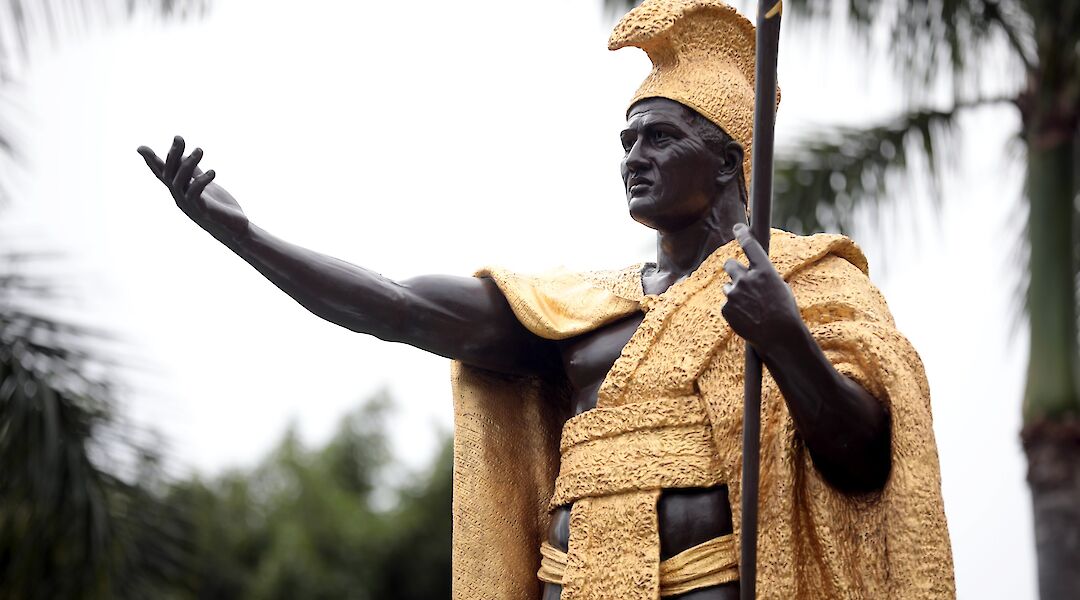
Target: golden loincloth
point(707, 564)
point(814, 542)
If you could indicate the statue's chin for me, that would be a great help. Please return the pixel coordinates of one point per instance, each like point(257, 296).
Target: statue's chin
point(654, 215)
point(643, 220)
point(643, 210)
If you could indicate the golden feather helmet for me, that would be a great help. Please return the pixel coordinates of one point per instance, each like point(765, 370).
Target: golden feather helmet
point(703, 57)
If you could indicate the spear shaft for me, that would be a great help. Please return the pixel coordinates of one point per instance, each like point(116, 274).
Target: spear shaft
point(761, 176)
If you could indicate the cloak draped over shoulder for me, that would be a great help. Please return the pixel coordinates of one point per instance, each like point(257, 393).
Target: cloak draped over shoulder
point(814, 541)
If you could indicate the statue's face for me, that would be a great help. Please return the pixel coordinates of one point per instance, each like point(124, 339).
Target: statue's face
point(669, 173)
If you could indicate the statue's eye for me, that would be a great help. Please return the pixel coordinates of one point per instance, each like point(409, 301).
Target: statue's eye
point(661, 137)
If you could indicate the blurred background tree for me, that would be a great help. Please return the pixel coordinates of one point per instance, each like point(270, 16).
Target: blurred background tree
point(309, 523)
point(80, 514)
point(86, 507)
point(79, 517)
point(940, 50)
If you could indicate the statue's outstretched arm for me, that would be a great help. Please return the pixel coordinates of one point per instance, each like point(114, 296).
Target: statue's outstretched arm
point(464, 318)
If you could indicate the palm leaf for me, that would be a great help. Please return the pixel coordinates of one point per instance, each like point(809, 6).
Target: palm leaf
point(824, 176)
point(24, 23)
point(925, 36)
point(616, 8)
point(928, 38)
point(73, 522)
point(27, 22)
point(62, 514)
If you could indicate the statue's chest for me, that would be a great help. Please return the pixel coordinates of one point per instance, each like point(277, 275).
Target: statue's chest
point(588, 358)
point(659, 352)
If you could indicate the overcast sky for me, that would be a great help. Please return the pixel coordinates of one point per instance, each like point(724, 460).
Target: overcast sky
point(436, 137)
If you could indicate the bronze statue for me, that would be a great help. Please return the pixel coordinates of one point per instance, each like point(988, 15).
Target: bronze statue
point(684, 177)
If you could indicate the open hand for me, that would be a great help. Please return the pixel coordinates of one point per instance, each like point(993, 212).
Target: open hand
point(760, 306)
point(203, 201)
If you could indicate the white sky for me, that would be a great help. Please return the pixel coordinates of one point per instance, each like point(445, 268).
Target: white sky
point(333, 125)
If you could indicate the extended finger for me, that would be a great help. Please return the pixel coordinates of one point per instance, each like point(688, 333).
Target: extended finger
point(753, 250)
point(735, 269)
point(187, 167)
point(172, 160)
point(157, 166)
point(195, 190)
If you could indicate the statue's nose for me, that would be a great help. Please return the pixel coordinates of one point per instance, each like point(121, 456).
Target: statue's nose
point(635, 160)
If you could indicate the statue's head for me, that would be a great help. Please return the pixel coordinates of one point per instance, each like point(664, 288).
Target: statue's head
point(677, 165)
point(702, 79)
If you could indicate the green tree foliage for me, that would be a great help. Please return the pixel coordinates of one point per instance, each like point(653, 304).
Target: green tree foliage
point(308, 523)
point(85, 509)
point(74, 522)
point(79, 516)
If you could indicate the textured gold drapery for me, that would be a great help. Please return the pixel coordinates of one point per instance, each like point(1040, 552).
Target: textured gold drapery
point(707, 564)
point(814, 542)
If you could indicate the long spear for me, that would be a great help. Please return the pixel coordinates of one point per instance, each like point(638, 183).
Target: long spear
point(761, 175)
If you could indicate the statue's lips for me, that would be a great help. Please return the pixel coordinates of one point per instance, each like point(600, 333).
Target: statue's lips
point(638, 185)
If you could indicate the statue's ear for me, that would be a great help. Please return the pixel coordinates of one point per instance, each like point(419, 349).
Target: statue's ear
point(731, 161)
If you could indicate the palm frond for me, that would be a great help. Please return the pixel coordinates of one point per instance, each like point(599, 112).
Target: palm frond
point(70, 525)
point(821, 180)
point(616, 8)
point(925, 37)
point(1020, 253)
point(928, 38)
point(26, 22)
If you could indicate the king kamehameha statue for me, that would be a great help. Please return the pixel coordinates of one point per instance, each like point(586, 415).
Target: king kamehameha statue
point(598, 415)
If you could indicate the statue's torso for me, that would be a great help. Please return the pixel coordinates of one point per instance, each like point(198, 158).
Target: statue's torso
point(687, 517)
